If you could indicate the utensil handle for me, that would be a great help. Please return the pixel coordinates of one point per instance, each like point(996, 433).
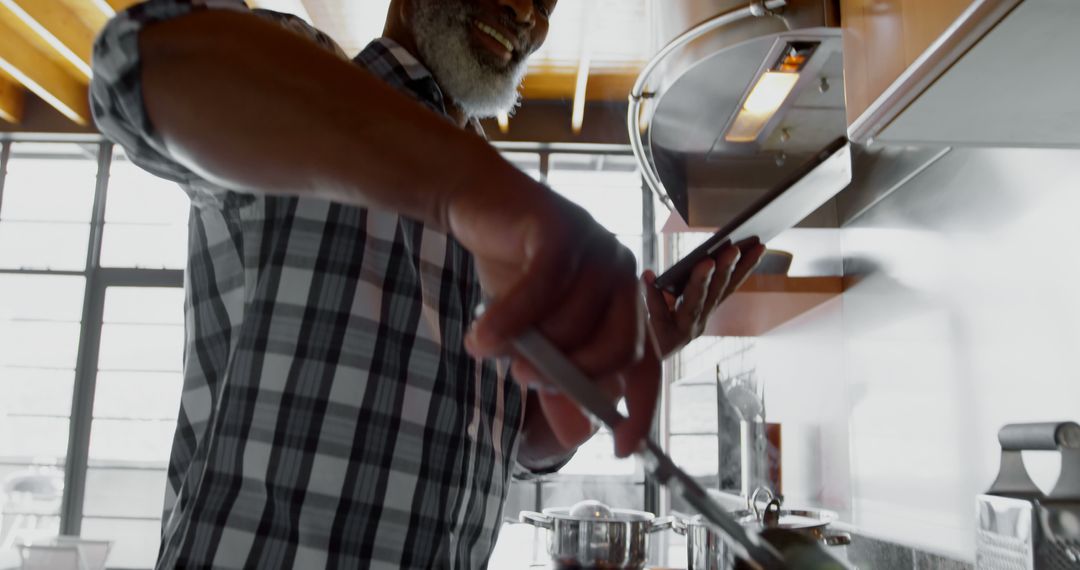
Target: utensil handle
point(838, 539)
point(1048, 436)
point(536, 519)
point(551, 362)
point(662, 523)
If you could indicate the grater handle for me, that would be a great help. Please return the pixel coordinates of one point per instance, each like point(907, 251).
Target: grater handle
point(1048, 436)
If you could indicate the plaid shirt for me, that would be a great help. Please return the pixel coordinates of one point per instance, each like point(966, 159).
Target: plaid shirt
point(330, 416)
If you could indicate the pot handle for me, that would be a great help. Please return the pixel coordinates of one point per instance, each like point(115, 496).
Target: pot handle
point(679, 526)
point(838, 539)
point(662, 523)
point(536, 519)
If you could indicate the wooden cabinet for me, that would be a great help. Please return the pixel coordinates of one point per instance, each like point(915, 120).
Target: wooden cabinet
point(765, 302)
point(883, 37)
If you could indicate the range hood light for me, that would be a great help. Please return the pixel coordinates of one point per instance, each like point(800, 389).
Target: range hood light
point(767, 96)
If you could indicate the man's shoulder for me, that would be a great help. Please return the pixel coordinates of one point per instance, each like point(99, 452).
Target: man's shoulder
point(298, 25)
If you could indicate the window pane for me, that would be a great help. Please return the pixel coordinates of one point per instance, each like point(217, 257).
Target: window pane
point(157, 348)
point(138, 395)
point(135, 409)
point(693, 409)
point(144, 246)
point(41, 297)
point(124, 493)
point(138, 197)
point(135, 542)
point(142, 443)
point(33, 439)
point(50, 183)
point(527, 162)
point(37, 245)
point(144, 305)
point(39, 344)
point(36, 392)
point(698, 455)
point(608, 187)
point(145, 220)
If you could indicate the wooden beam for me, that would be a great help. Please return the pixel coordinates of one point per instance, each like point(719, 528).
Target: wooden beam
point(119, 5)
point(89, 12)
point(51, 23)
point(43, 76)
point(11, 101)
point(554, 84)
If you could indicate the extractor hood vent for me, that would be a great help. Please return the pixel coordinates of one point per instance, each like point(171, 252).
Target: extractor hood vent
point(733, 106)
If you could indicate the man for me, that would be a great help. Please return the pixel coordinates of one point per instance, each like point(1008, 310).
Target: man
point(340, 406)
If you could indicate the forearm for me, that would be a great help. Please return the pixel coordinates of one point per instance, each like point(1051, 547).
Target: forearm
point(539, 449)
point(252, 106)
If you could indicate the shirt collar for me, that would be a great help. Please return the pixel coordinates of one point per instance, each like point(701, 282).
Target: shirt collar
point(394, 64)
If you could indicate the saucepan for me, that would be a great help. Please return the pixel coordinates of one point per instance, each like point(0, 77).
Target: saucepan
point(592, 535)
point(705, 550)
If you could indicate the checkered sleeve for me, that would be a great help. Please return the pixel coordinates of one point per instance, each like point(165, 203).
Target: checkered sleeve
point(116, 97)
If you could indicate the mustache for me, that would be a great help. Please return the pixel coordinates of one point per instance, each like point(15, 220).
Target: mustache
point(520, 34)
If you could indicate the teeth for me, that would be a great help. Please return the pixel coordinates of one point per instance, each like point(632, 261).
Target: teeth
point(495, 34)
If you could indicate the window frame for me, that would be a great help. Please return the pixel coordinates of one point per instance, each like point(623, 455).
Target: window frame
point(97, 280)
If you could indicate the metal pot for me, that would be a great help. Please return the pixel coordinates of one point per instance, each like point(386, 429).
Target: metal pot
point(605, 538)
point(705, 550)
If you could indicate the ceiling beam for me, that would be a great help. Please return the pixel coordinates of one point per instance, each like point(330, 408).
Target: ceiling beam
point(42, 76)
point(11, 101)
point(547, 84)
point(51, 23)
point(88, 12)
point(119, 5)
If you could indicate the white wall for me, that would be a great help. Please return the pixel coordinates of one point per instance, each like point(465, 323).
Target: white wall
point(963, 314)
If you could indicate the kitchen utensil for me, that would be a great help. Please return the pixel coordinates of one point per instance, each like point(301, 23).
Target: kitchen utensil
point(746, 545)
point(1017, 526)
point(592, 535)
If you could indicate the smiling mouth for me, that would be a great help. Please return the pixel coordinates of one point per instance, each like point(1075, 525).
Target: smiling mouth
point(495, 35)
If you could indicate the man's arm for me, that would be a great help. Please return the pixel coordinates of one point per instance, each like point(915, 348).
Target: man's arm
point(249, 106)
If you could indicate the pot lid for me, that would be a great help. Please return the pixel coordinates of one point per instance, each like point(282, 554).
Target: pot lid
point(595, 511)
point(789, 519)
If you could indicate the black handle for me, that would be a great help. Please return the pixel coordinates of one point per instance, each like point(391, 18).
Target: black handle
point(1048, 436)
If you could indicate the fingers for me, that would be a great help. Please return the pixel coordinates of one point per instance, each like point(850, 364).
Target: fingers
point(752, 252)
point(570, 426)
point(642, 388)
point(692, 305)
point(726, 264)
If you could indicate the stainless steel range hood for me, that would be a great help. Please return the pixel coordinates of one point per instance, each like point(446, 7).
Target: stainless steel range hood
point(701, 117)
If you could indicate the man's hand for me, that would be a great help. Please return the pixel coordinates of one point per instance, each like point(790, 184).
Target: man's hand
point(677, 321)
point(547, 264)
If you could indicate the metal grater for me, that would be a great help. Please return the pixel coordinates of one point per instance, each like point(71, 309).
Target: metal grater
point(1018, 527)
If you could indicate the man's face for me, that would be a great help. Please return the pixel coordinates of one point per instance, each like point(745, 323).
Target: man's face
point(476, 49)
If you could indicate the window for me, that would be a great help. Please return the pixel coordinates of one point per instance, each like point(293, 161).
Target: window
point(60, 315)
point(137, 397)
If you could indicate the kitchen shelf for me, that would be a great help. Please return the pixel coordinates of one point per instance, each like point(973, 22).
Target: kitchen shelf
point(765, 302)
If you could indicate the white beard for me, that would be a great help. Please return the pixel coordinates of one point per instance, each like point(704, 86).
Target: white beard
point(479, 86)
